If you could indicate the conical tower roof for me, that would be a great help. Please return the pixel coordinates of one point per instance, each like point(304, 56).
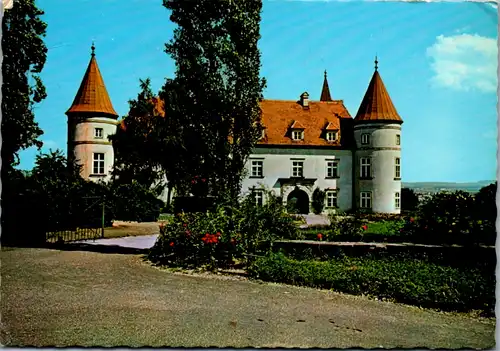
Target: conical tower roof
point(325, 92)
point(92, 97)
point(377, 105)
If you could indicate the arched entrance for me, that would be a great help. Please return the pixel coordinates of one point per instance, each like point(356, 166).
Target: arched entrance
point(298, 200)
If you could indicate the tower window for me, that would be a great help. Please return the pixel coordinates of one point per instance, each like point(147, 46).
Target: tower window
point(98, 163)
point(365, 167)
point(331, 199)
point(365, 139)
point(332, 169)
point(398, 139)
point(98, 133)
point(397, 201)
point(331, 136)
point(257, 169)
point(397, 168)
point(297, 134)
point(297, 169)
point(366, 199)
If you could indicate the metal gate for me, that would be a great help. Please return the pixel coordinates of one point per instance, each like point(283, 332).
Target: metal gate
point(85, 221)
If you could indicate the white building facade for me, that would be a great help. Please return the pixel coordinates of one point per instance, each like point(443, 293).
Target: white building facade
point(306, 145)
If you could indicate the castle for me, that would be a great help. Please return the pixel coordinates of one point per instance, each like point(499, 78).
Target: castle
point(305, 145)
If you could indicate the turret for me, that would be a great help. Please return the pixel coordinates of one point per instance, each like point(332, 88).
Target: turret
point(377, 157)
point(91, 119)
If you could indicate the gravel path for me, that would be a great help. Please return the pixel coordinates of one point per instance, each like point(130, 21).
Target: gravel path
point(73, 298)
point(136, 242)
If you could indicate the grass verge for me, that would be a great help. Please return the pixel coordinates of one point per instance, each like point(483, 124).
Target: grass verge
point(410, 281)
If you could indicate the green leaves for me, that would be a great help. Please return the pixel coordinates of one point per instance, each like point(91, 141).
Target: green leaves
point(24, 55)
point(212, 104)
point(407, 280)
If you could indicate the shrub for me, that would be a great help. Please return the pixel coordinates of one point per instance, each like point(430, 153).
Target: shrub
point(318, 201)
point(450, 218)
point(133, 202)
point(345, 226)
point(218, 237)
point(404, 280)
point(409, 200)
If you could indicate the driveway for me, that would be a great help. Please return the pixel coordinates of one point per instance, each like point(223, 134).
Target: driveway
point(135, 242)
point(76, 298)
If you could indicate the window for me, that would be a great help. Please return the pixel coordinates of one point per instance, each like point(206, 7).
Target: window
point(398, 139)
point(98, 134)
point(397, 201)
point(257, 169)
point(297, 168)
point(332, 169)
point(331, 199)
point(297, 134)
point(331, 136)
point(259, 197)
point(98, 163)
point(366, 199)
point(398, 168)
point(366, 167)
point(263, 135)
point(365, 139)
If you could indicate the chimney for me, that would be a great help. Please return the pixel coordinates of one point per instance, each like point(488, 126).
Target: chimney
point(304, 100)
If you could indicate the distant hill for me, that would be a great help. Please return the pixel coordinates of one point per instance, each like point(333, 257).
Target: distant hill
point(433, 187)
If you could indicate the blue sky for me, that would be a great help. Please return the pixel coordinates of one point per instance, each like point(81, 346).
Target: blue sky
point(438, 62)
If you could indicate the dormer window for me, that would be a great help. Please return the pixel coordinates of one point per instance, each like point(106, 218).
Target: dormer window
point(331, 136)
point(297, 134)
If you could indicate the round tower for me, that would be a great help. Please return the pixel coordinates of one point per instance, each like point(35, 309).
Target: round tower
point(91, 119)
point(377, 157)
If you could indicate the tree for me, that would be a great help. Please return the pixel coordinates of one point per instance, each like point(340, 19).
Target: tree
point(409, 200)
point(212, 104)
point(485, 200)
point(24, 55)
point(318, 200)
point(137, 148)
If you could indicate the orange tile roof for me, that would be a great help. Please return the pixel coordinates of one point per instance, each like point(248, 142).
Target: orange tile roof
point(92, 96)
point(277, 116)
point(325, 91)
point(376, 104)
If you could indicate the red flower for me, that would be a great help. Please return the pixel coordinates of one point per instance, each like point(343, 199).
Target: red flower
point(193, 181)
point(172, 244)
point(203, 180)
point(365, 227)
point(209, 239)
point(185, 225)
point(188, 233)
point(320, 236)
point(233, 241)
point(218, 234)
point(411, 219)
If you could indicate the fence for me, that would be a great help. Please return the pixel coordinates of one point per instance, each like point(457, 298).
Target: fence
point(85, 221)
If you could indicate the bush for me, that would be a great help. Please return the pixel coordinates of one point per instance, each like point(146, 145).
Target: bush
point(409, 281)
point(318, 201)
point(216, 238)
point(345, 226)
point(133, 202)
point(409, 200)
point(450, 218)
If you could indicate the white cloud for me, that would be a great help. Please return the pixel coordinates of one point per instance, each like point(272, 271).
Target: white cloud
point(465, 62)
